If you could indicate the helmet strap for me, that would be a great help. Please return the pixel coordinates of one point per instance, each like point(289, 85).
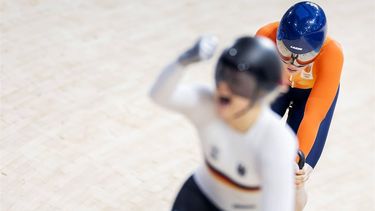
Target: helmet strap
point(253, 99)
point(244, 111)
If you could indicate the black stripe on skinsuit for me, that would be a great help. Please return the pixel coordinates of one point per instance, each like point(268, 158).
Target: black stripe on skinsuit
point(299, 98)
point(191, 198)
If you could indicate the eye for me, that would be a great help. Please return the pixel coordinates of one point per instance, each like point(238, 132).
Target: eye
point(307, 56)
point(284, 52)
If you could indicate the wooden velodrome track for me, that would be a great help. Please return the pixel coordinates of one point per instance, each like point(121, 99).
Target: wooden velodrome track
point(78, 131)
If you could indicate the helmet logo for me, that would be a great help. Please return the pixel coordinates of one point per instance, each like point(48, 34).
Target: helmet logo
point(296, 48)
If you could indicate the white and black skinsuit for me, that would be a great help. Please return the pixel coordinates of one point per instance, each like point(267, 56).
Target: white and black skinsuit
point(241, 171)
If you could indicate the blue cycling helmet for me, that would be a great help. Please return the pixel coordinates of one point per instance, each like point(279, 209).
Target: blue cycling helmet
point(303, 28)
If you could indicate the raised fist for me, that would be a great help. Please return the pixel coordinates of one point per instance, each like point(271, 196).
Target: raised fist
point(203, 49)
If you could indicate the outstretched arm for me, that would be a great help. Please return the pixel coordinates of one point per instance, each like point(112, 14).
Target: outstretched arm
point(320, 101)
point(166, 91)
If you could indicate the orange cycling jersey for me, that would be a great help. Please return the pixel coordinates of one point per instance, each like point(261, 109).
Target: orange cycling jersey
point(322, 77)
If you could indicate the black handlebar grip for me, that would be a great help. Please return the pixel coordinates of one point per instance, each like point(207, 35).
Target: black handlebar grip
point(302, 159)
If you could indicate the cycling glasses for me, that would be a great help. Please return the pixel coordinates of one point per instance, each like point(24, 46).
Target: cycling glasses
point(298, 60)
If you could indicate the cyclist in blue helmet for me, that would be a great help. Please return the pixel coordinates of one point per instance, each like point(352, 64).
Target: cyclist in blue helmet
point(312, 68)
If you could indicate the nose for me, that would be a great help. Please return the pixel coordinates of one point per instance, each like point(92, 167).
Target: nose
point(223, 88)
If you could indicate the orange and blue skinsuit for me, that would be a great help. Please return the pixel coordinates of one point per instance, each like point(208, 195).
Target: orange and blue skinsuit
point(312, 96)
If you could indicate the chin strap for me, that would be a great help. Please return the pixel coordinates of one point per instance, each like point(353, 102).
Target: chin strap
point(253, 98)
point(244, 111)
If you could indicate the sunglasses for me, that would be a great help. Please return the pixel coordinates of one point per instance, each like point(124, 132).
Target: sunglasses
point(297, 60)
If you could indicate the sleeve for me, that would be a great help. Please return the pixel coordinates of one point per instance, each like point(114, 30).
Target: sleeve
point(329, 66)
point(269, 31)
point(277, 161)
point(167, 93)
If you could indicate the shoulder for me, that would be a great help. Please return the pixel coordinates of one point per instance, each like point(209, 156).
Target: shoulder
point(198, 91)
point(269, 30)
point(205, 92)
point(330, 42)
point(331, 48)
point(330, 57)
point(202, 101)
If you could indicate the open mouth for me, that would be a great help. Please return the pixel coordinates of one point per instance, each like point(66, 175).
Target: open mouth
point(224, 100)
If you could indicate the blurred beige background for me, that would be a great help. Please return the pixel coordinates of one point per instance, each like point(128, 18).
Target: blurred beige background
point(78, 131)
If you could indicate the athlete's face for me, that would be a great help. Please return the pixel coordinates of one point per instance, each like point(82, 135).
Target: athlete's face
point(294, 63)
point(228, 104)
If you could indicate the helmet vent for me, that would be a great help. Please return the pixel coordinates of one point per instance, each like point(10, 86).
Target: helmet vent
point(232, 51)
